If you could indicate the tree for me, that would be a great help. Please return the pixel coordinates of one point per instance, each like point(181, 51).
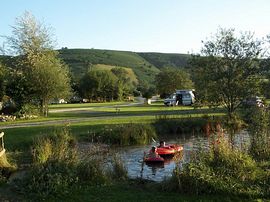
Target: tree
point(227, 71)
point(2, 81)
point(98, 85)
point(170, 79)
point(126, 81)
point(29, 36)
point(42, 71)
point(49, 79)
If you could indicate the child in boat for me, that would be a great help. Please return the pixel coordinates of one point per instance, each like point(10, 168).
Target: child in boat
point(153, 153)
point(161, 144)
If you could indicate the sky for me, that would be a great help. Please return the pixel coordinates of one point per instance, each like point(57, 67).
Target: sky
point(168, 26)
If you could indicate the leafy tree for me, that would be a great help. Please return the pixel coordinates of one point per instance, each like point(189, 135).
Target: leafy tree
point(2, 81)
point(42, 71)
point(98, 85)
point(170, 79)
point(29, 37)
point(126, 81)
point(227, 71)
point(49, 79)
point(18, 88)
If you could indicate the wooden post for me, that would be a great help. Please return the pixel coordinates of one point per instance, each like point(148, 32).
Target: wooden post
point(2, 146)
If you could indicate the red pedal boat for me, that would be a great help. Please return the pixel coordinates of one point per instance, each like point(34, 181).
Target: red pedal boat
point(169, 150)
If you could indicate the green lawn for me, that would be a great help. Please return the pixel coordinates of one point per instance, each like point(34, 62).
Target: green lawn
point(132, 191)
point(83, 121)
point(84, 105)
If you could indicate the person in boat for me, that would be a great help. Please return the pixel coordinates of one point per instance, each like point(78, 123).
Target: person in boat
point(161, 144)
point(153, 153)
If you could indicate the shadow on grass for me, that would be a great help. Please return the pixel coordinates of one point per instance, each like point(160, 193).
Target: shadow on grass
point(85, 114)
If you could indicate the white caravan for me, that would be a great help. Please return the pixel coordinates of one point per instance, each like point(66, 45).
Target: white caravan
point(180, 97)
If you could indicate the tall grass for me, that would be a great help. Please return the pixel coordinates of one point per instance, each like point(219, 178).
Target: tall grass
point(6, 168)
point(174, 125)
point(220, 170)
point(59, 146)
point(118, 170)
point(125, 134)
point(57, 167)
point(259, 130)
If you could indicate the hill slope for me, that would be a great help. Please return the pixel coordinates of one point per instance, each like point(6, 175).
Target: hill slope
point(161, 60)
point(144, 65)
point(79, 61)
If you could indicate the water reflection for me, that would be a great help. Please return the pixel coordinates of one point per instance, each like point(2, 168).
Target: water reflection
point(137, 168)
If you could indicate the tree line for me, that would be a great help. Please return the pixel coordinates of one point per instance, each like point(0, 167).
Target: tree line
point(229, 69)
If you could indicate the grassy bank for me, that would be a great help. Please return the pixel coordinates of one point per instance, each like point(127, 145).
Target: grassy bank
point(135, 191)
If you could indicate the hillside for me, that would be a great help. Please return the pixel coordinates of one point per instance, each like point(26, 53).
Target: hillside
point(144, 65)
point(161, 60)
point(79, 61)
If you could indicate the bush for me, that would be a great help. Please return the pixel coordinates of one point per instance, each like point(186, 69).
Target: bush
point(60, 146)
point(171, 125)
point(55, 161)
point(50, 178)
point(6, 169)
point(91, 171)
point(126, 134)
point(259, 130)
point(58, 167)
point(27, 111)
point(118, 171)
point(221, 170)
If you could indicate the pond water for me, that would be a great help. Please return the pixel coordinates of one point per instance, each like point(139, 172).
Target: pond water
point(133, 155)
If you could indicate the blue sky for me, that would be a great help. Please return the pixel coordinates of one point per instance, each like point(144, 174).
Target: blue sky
point(171, 26)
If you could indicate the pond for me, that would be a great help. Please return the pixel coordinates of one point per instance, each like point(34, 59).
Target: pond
point(133, 155)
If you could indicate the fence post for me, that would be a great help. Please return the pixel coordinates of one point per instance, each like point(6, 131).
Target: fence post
point(2, 146)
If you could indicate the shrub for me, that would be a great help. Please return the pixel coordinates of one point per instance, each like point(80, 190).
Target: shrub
point(127, 134)
point(58, 167)
point(6, 169)
point(119, 170)
point(259, 130)
point(221, 170)
point(27, 111)
point(91, 171)
point(171, 125)
point(50, 178)
point(55, 161)
point(60, 146)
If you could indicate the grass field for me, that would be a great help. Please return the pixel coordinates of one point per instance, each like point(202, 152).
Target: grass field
point(91, 116)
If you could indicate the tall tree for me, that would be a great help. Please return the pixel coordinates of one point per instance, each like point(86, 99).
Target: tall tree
point(171, 79)
point(227, 70)
point(44, 73)
point(49, 78)
point(29, 36)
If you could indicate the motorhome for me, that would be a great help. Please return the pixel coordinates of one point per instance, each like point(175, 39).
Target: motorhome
point(180, 97)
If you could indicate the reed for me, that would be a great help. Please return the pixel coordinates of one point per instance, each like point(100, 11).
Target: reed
point(219, 170)
point(125, 134)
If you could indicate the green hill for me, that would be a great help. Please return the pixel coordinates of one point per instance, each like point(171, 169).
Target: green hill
point(144, 65)
point(79, 60)
point(161, 60)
